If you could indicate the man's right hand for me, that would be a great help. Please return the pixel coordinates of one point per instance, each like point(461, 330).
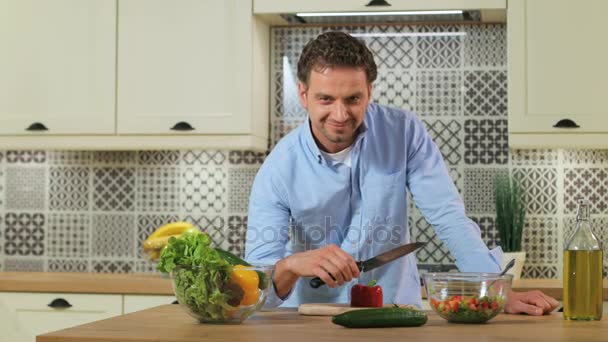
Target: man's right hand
point(333, 265)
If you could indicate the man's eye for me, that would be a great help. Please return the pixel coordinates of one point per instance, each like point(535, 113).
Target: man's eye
point(353, 99)
point(324, 99)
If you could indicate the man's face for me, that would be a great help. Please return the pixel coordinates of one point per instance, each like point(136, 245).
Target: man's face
point(336, 100)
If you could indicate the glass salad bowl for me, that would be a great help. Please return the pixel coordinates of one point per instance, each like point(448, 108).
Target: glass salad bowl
point(211, 297)
point(467, 297)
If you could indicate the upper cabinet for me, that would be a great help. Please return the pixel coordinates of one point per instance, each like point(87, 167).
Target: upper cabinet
point(133, 74)
point(181, 69)
point(557, 71)
point(57, 66)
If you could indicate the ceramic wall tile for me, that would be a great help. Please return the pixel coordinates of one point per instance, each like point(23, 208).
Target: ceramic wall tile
point(68, 235)
point(448, 135)
point(26, 157)
point(77, 158)
point(24, 234)
point(16, 264)
point(203, 157)
point(113, 266)
point(69, 188)
point(485, 93)
point(237, 227)
point(240, 181)
point(214, 225)
point(395, 88)
point(486, 141)
point(437, 49)
point(534, 157)
point(114, 157)
point(203, 189)
point(113, 235)
point(114, 188)
point(158, 157)
point(68, 265)
point(586, 183)
point(158, 189)
point(439, 93)
point(540, 185)
point(479, 189)
point(485, 45)
point(25, 188)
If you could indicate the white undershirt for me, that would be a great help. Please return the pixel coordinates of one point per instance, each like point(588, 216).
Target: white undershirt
point(340, 157)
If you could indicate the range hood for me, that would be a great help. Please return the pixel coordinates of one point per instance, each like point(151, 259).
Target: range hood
point(294, 12)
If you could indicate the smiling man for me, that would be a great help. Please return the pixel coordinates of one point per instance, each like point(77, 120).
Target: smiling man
point(334, 191)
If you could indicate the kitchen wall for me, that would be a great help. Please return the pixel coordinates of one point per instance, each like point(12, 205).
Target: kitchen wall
point(90, 211)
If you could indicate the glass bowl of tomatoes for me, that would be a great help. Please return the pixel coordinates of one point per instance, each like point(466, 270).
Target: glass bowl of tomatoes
point(467, 297)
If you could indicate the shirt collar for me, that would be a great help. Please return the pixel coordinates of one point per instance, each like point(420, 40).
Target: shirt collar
point(313, 148)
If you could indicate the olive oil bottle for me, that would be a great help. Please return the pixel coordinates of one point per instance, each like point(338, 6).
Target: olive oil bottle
point(583, 270)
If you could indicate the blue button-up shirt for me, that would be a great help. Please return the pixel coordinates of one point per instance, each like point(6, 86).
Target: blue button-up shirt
point(300, 201)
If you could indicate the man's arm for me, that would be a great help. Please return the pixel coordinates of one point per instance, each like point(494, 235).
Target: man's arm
point(267, 237)
point(437, 198)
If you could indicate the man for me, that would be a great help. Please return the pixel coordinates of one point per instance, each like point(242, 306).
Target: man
point(334, 190)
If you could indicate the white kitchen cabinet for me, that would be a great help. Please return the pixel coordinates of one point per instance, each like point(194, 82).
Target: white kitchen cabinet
point(57, 66)
point(132, 303)
point(200, 63)
point(120, 74)
point(557, 70)
point(491, 10)
point(25, 315)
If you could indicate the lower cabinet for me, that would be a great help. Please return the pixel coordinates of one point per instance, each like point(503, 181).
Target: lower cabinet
point(134, 303)
point(24, 315)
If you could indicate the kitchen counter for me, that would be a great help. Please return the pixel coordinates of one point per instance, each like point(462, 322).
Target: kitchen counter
point(97, 283)
point(146, 284)
point(170, 323)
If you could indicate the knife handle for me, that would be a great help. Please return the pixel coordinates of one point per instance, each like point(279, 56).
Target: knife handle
point(316, 282)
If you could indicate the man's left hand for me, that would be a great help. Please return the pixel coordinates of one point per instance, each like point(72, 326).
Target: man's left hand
point(533, 303)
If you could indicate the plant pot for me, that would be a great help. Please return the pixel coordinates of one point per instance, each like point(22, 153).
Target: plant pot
point(520, 259)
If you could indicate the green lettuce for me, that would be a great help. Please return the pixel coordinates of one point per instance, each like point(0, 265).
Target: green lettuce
point(201, 277)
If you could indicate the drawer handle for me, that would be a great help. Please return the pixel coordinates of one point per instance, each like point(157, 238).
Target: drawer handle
point(182, 126)
point(378, 3)
point(37, 126)
point(175, 302)
point(566, 123)
point(60, 303)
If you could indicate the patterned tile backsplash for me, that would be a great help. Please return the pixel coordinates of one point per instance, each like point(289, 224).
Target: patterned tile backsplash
point(85, 211)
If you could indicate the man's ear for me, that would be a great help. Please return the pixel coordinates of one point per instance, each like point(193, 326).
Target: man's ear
point(369, 90)
point(302, 94)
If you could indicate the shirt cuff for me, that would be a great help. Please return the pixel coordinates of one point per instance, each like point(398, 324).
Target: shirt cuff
point(273, 300)
point(496, 255)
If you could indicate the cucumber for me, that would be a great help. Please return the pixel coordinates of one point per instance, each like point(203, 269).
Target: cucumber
point(235, 260)
point(381, 317)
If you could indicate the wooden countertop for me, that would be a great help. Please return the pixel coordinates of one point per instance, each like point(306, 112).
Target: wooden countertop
point(146, 284)
point(170, 323)
point(99, 283)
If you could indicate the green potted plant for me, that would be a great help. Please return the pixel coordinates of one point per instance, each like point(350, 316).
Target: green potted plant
point(511, 207)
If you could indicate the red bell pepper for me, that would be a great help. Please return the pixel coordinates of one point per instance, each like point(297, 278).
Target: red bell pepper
point(369, 296)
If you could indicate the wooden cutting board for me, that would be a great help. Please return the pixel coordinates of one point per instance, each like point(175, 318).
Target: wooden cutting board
point(332, 309)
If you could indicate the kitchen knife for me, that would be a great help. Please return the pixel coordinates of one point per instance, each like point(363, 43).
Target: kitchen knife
point(378, 260)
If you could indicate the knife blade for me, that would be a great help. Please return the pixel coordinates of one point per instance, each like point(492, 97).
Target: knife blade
point(378, 260)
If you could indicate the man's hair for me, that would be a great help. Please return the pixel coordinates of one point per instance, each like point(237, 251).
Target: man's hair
point(332, 49)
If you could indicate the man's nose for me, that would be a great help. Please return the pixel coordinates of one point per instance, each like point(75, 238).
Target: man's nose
point(341, 112)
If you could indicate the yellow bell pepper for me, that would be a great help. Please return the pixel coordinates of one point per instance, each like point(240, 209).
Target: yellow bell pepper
point(248, 280)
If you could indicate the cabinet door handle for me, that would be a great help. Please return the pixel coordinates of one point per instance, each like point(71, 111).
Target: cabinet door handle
point(60, 303)
point(378, 3)
point(175, 302)
point(566, 123)
point(182, 126)
point(37, 126)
